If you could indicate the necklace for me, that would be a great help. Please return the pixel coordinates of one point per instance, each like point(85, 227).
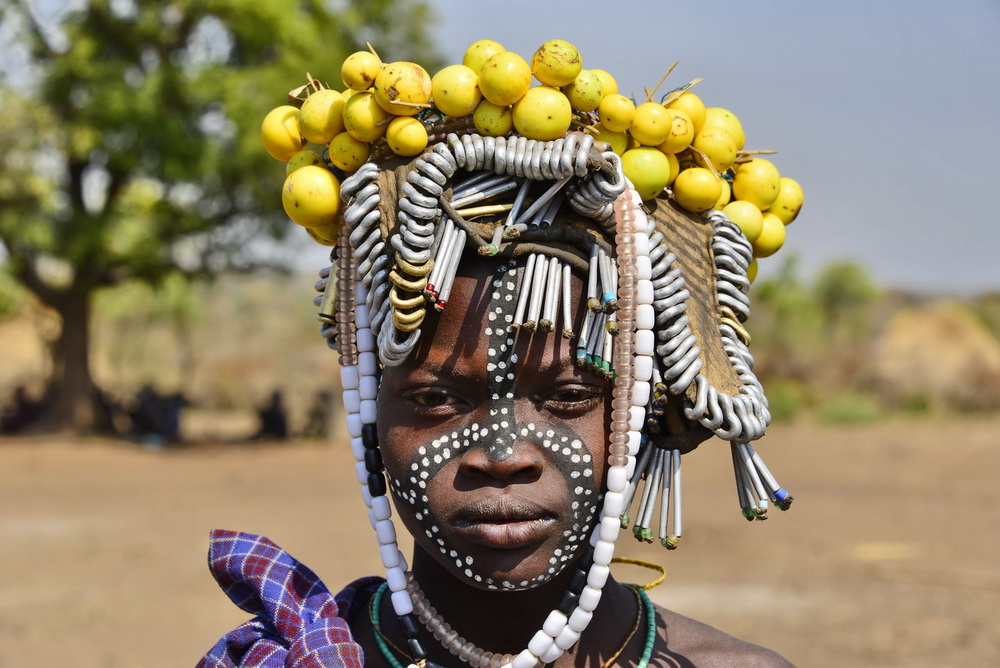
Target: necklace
point(389, 649)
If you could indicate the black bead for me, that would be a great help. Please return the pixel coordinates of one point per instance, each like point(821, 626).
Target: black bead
point(578, 582)
point(431, 664)
point(369, 436)
point(417, 650)
point(568, 603)
point(587, 558)
point(376, 484)
point(373, 460)
point(409, 625)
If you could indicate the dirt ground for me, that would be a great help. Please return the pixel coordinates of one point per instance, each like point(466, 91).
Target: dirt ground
point(887, 558)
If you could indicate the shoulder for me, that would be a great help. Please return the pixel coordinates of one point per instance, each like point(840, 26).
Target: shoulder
point(702, 645)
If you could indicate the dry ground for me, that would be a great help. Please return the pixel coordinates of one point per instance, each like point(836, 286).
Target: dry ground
point(888, 557)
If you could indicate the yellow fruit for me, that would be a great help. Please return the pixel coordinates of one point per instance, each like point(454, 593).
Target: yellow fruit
point(717, 117)
point(455, 90)
point(691, 105)
point(311, 197)
point(771, 238)
point(681, 132)
point(364, 118)
point(321, 117)
point(493, 120)
point(789, 201)
point(724, 196)
point(301, 159)
point(406, 136)
point(648, 169)
point(617, 140)
point(400, 86)
point(479, 52)
point(543, 113)
point(586, 91)
point(747, 217)
point(348, 153)
point(752, 270)
point(675, 167)
point(608, 83)
point(717, 145)
point(651, 124)
point(757, 181)
point(697, 189)
point(359, 70)
point(556, 63)
point(325, 235)
point(280, 133)
point(504, 78)
point(616, 112)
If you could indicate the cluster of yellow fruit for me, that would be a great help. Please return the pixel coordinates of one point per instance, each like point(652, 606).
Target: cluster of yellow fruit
point(676, 144)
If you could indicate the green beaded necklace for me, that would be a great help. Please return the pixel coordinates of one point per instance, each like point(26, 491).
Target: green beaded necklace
point(376, 606)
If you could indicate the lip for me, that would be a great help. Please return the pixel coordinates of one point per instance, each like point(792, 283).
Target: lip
point(503, 523)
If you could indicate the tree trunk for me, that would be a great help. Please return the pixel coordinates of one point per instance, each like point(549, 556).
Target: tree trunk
point(72, 406)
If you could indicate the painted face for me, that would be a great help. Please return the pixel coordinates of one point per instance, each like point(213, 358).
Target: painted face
point(494, 441)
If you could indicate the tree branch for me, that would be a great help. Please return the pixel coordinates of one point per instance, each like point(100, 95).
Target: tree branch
point(37, 30)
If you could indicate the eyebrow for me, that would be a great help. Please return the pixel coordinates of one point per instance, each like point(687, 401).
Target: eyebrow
point(443, 371)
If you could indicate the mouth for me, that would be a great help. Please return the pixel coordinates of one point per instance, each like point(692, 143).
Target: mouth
point(504, 523)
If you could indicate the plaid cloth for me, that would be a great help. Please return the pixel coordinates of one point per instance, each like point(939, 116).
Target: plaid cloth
point(297, 622)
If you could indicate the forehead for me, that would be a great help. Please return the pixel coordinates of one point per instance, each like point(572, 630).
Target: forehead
point(480, 309)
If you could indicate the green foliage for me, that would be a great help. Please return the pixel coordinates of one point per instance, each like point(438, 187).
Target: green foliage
point(850, 408)
point(787, 399)
point(10, 296)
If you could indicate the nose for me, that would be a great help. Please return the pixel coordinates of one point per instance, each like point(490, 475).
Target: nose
point(502, 456)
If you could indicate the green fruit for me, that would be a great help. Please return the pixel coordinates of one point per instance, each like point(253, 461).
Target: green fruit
point(586, 91)
point(747, 217)
point(556, 63)
point(648, 169)
point(717, 145)
point(493, 120)
point(479, 52)
point(364, 118)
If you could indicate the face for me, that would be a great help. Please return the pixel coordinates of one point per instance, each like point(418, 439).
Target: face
point(494, 441)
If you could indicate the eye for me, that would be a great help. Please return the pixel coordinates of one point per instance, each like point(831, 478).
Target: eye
point(432, 401)
point(572, 399)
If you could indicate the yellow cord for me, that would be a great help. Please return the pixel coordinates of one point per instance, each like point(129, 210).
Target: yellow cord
point(645, 564)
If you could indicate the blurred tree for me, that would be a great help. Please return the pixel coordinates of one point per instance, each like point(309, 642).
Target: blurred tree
point(844, 290)
point(130, 136)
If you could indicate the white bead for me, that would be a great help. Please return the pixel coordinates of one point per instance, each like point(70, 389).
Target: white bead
point(360, 293)
point(604, 552)
point(579, 620)
point(614, 504)
point(401, 602)
point(640, 393)
point(644, 291)
point(630, 466)
point(361, 318)
point(366, 340)
point(598, 576)
point(554, 623)
point(354, 425)
point(634, 441)
point(524, 660)
point(366, 495)
point(642, 367)
point(381, 508)
point(610, 526)
point(352, 401)
point(369, 411)
point(349, 377)
point(554, 653)
point(367, 364)
point(567, 638)
point(645, 317)
point(637, 417)
point(372, 519)
point(390, 556)
point(385, 532)
point(590, 597)
point(396, 577)
point(358, 449)
point(361, 471)
point(617, 479)
point(540, 643)
point(595, 536)
point(369, 387)
point(644, 269)
point(641, 242)
point(645, 342)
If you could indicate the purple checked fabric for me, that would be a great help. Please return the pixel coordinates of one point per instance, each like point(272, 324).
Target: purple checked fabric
point(297, 622)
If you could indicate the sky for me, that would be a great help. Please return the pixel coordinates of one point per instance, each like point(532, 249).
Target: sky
point(886, 112)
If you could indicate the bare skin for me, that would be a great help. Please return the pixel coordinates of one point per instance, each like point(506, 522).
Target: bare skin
point(505, 501)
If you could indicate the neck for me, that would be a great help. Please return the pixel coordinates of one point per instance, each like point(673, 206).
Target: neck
point(504, 622)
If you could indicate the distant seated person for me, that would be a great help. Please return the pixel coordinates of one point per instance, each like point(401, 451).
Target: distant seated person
point(318, 418)
point(273, 423)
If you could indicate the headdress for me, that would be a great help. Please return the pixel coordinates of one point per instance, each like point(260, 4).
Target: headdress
point(666, 293)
